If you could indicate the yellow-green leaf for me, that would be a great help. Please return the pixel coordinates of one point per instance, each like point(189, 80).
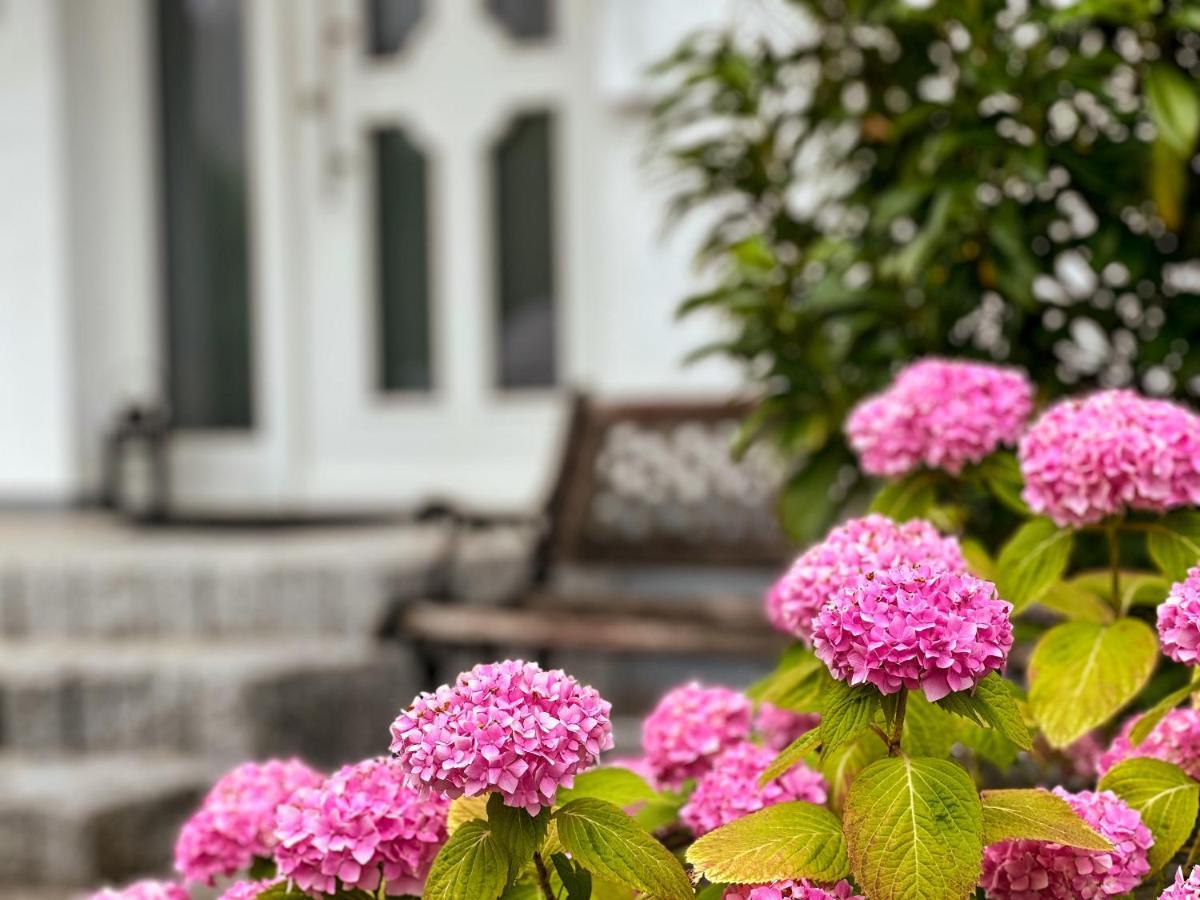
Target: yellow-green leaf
point(612, 783)
point(1164, 795)
point(908, 498)
point(470, 866)
point(1174, 543)
point(1036, 815)
point(466, 809)
point(842, 766)
point(1155, 714)
point(846, 713)
point(992, 704)
point(792, 754)
point(1034, 558)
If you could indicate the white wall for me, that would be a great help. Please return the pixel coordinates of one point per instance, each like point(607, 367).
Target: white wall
point(37, 427)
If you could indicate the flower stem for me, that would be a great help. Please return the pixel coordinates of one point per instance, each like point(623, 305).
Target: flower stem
point(1114, 564)
point(543, 876)
point(898, 724)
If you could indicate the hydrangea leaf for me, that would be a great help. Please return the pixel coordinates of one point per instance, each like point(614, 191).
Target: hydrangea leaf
point(1001, 475)
point(914, 830)
point(795, 655)
point(1038, 815)
point(615, 784)
point(907, 498)
point(285, 890)
point(471, 866)
point(611, 846)
point(846, 713)
point(928, 729)
point(1078, 602)
point(792, 754)
point(1174, 108)
point(991, 704)
point(1155, 714)
point(1034, 558)
point(466, 809)
point(798, 686)
point(1081, 673)
point(1164, 795)
point(1173, 542)
point(520, 834)
point(842, 766)
point(787, 840)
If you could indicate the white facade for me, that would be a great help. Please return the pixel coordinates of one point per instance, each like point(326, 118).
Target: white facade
point(81, 248)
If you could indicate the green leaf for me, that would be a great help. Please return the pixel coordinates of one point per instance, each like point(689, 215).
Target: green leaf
point(262, 869)
point(576, 879)
point(1174, 108)
point(1082, 673)
point(618, 786)
point(1174, 543)
point(842, 766)
point(1155, 714)
point(908, 498)
point(914, 830)
point(928, 729)
point(1164, 795)
point(611, 846)
point(787, 840)
point(792, 754)
point(1037, 815)
point(285, 890)
point(1032, 561)
point(1001, 475)
point(466, 809)
point(798, 687)
point(518, 833)
point(1076, 601)
point(992, 704)
point(470, 866)
point(846, 713)
point(979, 562)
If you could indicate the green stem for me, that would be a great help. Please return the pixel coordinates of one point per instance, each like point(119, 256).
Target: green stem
point(1114, 564)
point(898, 725)
point(543, 876)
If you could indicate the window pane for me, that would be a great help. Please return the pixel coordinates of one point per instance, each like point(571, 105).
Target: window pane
point(391, 22)
point(525, 252)
point(203, 137)
point(523, 19)
point(402, 254)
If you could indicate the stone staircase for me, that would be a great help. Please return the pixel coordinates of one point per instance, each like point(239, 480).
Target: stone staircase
point(135, 666)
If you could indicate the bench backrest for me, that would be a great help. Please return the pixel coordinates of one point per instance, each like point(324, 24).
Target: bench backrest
point(655, 483)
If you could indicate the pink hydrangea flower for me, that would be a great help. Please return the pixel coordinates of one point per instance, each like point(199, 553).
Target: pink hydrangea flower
point(1183, 888)
point(730, 789)
point(779, 727)
point(689, 727)
point(144, 890)
point(792, 890)
point(939, 414)
point(1098, 456)
point(1179, 620)
point(507, 727)
point(1037, 870)
point(1176, 739)
point(917, 627)
point(248, 890)
point(365, 822)
point(236, 821)
point(852, 549)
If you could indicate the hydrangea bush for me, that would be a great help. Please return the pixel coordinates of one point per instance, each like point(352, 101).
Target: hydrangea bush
point(952, 718)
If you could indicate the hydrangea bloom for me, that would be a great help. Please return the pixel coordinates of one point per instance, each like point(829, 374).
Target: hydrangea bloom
point(1183, 888)
point(1090, 458)
point(363, 823)
point(730, 789)
point(1033, 870)
point(791, 890)
point(916, 627)
point(855, 548)
point(690, 726)
point(144, 890)
point(1176, 739)
point(508, 727)
point(1179, 620)
point(236, 821)
point(940, 414)
point(248, 890)
point(779, 727)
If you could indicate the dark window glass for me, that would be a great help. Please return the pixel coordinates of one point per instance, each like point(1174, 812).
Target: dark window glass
point(402, 260)
point(203, 135)
point(523, 19)
point(524, 222)
point(391, 22)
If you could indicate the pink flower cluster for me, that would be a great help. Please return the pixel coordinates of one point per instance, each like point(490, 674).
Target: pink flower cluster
point(916, 627)
point(852, 549)
point(144, 890)
point(689, 727)
point(730, 789)
point(236, 821)
point(1090, 458)
point(779, 727)
point(248, 890)
point(940, 414)
point(1179, 620)
point(1183, 888)
point(791, 890)
point(1037, 870)
point(508, 727)
point(365, 822)
point(1176, 739)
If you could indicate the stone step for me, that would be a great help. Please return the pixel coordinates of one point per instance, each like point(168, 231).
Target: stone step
point(328, 701)
point(68, 821)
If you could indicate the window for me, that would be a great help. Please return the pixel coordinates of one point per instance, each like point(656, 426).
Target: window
point(523, 19)
point(524, 226)
point(203, 141)
point(402, 263)
point(390, 22)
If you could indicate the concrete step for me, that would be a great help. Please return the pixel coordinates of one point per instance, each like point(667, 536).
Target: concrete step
point(88, 821)
point(328, 701)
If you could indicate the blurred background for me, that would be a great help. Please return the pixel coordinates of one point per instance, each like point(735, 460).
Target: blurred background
point(346, 343)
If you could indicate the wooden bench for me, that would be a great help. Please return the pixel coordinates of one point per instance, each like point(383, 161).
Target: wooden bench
point(646, 489)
